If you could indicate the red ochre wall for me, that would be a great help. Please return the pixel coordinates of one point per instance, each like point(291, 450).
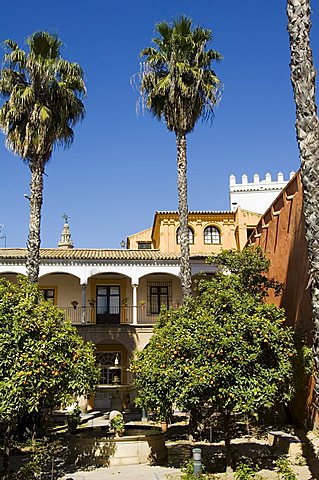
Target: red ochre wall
point(281, 234)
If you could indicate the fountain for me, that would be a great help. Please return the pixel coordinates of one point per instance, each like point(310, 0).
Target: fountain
point(97, 446)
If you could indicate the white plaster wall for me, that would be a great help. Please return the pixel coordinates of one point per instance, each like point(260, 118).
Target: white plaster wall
point(67, 288)
point(258, 195)
point(80, 274)
point(255, 201)
point(76, 270)
point(18, 269)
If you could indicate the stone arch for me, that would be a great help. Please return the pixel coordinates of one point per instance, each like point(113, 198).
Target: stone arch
point(157, 289)
point(115, 271)
point(64, 287)
point(46, 271)
point(161, 271)
point(113, 358)
point(13, 269)
point(11, 276)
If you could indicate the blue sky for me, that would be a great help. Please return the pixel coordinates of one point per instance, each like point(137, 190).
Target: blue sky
point(122, 167)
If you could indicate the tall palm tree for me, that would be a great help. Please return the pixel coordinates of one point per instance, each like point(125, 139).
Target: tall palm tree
point(303, 77)
point(42, 103)
point(178, 85)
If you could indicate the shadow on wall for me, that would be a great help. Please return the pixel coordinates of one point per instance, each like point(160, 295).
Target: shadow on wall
point(84, 452)
point(281, 234)
point(296, 298)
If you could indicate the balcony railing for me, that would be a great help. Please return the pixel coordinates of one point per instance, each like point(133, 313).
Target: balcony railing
point(80, 315)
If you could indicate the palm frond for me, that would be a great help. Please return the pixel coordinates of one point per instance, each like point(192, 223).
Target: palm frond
point(43, 97)
point(176, 79)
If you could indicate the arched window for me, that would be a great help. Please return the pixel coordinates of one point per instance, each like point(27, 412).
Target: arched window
point(111, 369)
point(212, 236)
point(190, 236)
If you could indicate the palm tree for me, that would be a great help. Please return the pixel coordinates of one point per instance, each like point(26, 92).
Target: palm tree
point(42, 94)
point(178, 85)
point(303, 77)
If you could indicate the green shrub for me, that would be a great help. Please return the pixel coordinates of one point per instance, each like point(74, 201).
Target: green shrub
point(188, 472)
point(284, 469)
point(117, 424)
point(246, 471)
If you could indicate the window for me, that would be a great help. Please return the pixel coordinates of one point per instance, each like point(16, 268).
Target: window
point(110, 363)
point(49, 294)
point(144, 245)
point(190, 236)
point(250, 231)
point(108, 299)
point(108, 304)
point(159, 294)
point(212, 236)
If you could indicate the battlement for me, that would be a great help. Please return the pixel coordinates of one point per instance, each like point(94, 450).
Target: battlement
point(257, 184)
point(257, 195)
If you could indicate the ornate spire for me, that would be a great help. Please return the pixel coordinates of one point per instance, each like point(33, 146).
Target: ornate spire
point(65, 239)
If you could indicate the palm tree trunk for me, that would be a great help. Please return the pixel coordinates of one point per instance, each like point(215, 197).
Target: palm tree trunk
point(36, 200)
point(186, 278)
point(303, 76)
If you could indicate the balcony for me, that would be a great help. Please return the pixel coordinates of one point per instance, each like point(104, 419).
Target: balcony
point(123, 316)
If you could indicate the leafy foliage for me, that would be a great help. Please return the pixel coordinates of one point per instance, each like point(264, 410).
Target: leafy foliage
point(250, 266)
point(226, 348)
point(283, 467)
point(117, 424)
point(188, 472)
point(74, 418)
point(246, 471)
point(42, 460)
point(43, 360)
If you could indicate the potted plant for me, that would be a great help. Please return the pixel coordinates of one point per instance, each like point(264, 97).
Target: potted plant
point(117, 425)
point(74, 419)
point(74, 304)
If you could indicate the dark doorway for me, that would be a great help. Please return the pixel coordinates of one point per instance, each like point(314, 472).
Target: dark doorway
point(108, 304)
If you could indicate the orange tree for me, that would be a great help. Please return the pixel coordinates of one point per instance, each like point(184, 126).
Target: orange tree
point(225, 348)
point(43, 360)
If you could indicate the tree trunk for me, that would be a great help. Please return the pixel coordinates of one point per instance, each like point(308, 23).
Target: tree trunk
point(186, 278)
point(36, 200)
point(303, 76)
point(6, 453)
point(195, 417)
point(226, 418)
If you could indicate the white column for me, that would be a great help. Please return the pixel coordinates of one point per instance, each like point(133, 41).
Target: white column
point(134, 286)
point(83, 313)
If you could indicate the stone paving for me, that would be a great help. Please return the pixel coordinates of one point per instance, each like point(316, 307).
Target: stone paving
point(128, 472)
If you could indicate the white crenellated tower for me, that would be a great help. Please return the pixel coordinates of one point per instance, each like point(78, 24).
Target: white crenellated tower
point(257, 195)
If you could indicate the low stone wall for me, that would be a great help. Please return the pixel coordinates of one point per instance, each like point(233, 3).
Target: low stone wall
point(98, 448)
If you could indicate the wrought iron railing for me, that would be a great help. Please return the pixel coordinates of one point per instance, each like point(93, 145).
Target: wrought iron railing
point(87, 315)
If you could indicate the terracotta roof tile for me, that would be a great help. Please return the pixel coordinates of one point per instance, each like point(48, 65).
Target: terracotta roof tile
point(91, 254)
point(195, 212)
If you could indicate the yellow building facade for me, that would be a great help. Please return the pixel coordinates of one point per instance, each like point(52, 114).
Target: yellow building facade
point(113, 297)
point(209, 232)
